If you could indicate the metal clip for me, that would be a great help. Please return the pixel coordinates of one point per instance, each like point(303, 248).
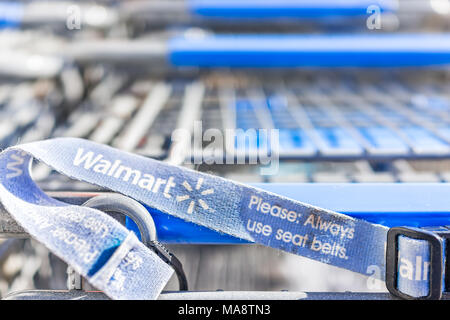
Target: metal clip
point(117, 203)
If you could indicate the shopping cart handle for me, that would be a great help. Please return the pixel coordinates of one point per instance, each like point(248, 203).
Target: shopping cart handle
point(304, 9)
point(10, 14)
point(288, 51)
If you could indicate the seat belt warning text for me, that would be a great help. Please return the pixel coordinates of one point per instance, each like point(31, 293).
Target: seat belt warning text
point(265, 219)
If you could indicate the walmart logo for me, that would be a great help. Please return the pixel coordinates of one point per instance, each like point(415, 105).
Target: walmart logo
point(202, 203)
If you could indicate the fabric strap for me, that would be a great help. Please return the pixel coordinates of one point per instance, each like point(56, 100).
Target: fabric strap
point(113, 260)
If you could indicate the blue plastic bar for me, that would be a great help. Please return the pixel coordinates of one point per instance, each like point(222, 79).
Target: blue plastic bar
point(10, 14)
point(390, 204)
point(288, 51)
point(303, 9)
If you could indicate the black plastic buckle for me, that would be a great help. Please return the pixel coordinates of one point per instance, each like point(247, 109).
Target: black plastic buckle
point(172, 261)
point(435, 240)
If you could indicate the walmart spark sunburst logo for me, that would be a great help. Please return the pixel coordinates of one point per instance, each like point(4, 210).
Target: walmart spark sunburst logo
point(201, 202)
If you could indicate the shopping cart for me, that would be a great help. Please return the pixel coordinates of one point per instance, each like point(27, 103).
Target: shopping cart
point(340, 126)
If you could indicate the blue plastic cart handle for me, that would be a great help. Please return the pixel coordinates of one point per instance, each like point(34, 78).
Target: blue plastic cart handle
point(303, 9)
point(10, 14)
point(288, 51)
point(392, 204)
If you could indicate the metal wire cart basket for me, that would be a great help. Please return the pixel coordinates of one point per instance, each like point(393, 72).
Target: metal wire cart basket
point(357, 91)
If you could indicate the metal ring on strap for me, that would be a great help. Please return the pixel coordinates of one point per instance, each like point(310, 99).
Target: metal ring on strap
point(117, 203)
